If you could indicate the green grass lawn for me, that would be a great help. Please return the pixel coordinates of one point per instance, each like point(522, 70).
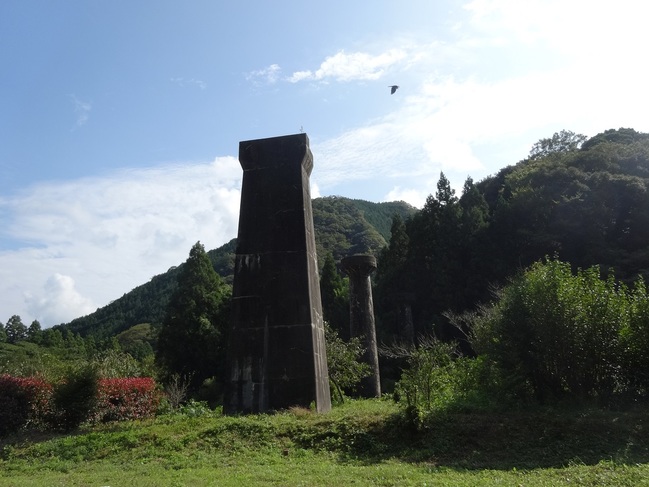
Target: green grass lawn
point(360, 443)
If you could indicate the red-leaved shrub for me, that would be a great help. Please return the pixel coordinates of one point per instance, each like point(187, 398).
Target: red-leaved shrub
point(127, 398)
point(28, 402)
point(24, 401)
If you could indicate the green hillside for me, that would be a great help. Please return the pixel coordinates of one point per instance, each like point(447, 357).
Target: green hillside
point(342, 226)
point(584, 200)
point(586, 204)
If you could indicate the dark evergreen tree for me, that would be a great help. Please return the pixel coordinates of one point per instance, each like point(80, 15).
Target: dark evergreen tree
point(35, 333)
point(191, 339)
point(15, 329)
point(475, 210)
point(474, 221)
point(334, 291)
point(53, 338)
point(393, 281)
point(394, 257)
point(3, 333)
point(435, 256)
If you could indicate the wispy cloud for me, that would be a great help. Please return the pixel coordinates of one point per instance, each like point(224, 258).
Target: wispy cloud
point(81, 110)
point(183, 82)
point(463, 115)
point(268, 75)
point(82, 243)
point(342, 67)
point(352, 66)
point(77, 244)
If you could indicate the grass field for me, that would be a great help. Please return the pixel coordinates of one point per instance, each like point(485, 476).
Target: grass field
point(359, 443)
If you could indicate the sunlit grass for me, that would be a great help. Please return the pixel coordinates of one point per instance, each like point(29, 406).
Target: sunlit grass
point(359, 443)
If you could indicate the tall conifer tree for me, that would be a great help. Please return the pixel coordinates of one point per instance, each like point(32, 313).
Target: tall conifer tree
point(192, 338)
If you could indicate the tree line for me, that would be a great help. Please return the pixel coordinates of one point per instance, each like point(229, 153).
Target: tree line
point(585, 201)
point(574, 203)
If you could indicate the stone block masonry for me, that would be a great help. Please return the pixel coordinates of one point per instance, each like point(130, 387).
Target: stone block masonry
point(276, 355)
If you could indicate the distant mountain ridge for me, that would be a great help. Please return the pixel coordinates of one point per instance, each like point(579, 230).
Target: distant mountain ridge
point(343, 226)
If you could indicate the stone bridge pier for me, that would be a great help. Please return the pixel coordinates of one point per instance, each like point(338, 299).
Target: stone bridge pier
point(276, 354)
point(361, 316)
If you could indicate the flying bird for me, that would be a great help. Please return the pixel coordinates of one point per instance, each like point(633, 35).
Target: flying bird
point(393, 88)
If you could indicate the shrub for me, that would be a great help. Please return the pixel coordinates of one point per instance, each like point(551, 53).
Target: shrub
point(23, 402)
point(635, 340)
point(75, 399)
point(346, 370)
point(176, 390)
point(559, 334)
point(422, 381)
point(33, 402)
point(114, 363)
point(127, 398)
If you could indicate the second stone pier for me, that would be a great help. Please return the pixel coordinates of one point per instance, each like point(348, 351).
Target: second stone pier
point(361, 317)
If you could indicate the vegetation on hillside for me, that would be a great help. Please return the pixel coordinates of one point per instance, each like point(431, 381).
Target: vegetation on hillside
point(585, 201)
point(588, 205)
point(531, 320)
point(192, 339)
point(342, 228)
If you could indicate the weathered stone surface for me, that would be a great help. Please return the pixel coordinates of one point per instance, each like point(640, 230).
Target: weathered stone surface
point(361, 316)
point(406, 327)
point(277, 356)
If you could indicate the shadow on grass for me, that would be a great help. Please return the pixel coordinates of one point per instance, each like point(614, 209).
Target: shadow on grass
point(461, 441)
point(495, 440)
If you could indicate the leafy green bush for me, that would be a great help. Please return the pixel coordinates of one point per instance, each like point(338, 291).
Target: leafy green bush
point(552, 335)
point(115, 363)
point(75, 399)
point(635, 340)
point(423, 380)
point(565, 336)
point(345, 369)
point(194, 408)
point(438, 379)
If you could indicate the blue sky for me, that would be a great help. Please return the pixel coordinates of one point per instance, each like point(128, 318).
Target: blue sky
point(120, 121)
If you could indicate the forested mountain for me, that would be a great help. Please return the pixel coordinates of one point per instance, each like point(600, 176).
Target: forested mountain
point(342, 226)
point(585, 201)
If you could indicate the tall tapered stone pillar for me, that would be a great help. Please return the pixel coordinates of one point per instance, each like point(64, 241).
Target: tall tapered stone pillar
point(277, 356)
point(361, 316)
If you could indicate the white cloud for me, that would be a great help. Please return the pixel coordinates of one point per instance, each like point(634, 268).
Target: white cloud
point(592, 31)
point(553, 20)
point(300, 75)
point(469, 127)
point(104, 236)
point(515, 72)
point(81, 110)
point(352, 66)
point(315, 190)
point(268, 75)
point(415, 197)
point(465, 111)
point(183, 82)
point(58, 301)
